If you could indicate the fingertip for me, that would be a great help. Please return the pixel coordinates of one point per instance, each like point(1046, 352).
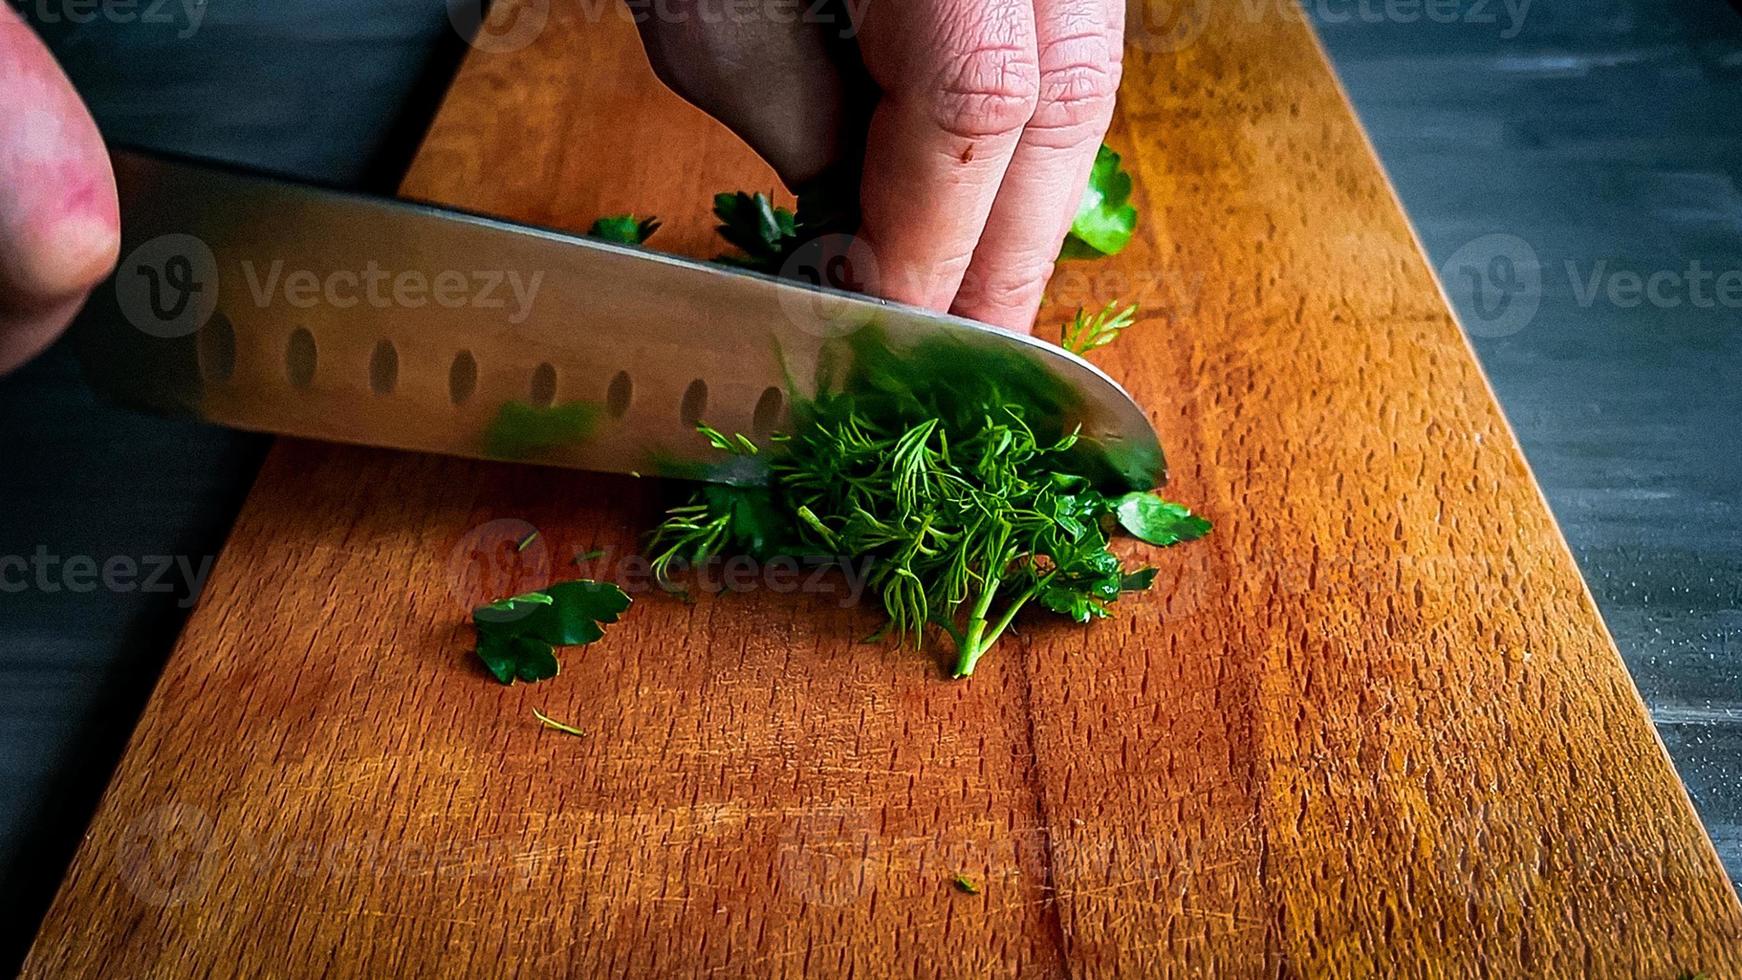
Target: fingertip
point(64, 261)
point(59, 220)
point(44, 282)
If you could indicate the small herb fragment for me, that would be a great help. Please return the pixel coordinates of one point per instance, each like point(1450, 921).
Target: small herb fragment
point(1159, 522)
point(625, 229)
point(763, 232)
point(521, 430)
point(517, 635)
point(719, 520)
point(526, 542)
point(737, 443)
point(587, 556)
point(1105, 218)
point(965, 884)
point(550, 722)
point(1092, 331)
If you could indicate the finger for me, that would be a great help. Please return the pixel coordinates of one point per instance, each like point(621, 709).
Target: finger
point(960, 80)
point(59, 223)
point(1079, 75)
point(763, 70)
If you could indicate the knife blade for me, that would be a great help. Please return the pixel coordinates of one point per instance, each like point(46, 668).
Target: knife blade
point(270, 305)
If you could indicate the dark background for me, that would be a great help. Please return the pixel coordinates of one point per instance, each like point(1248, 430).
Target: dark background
point(1604, 134)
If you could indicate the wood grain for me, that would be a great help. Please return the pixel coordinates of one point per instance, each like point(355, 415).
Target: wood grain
point(1371, 726)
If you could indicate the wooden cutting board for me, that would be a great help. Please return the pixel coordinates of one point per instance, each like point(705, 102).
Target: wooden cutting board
point(1372, 726)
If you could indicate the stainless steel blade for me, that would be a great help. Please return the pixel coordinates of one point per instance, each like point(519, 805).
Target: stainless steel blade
point(273, 306)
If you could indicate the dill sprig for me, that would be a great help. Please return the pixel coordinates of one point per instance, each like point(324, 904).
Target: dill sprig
point(964, 529)
point(968, 507)
point(1091, 331)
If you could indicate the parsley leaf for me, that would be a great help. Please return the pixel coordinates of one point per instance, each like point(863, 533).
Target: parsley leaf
point(516, 635)
point(625, 229)
point(1105, 218)
point(764, 233)
point(774, 240)
point(965, 884)
point(512, 658)
point(1159, 522)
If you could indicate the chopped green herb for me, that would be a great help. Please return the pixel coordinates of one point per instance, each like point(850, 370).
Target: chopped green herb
point(1092, 331)
point(767, 236)
point(625, 229)
point(587, 556)
point(1159, 522)
point(1105, 218)
point(955, 481)
point(550, 722)
point(517, 635)
point(737, 443)
point(764, 233)
point(526, 542)
point(956, 478)
point(521, 430)
point(720, 520)
point(965, 884)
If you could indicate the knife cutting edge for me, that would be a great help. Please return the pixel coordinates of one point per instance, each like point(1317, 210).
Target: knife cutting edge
point(269, 305)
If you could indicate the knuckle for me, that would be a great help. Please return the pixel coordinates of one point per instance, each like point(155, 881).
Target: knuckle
point(1079, 81)
point(988, 91)
point(1014, 288)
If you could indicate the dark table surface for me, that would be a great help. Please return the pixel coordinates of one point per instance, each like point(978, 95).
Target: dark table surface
point(1545, 156)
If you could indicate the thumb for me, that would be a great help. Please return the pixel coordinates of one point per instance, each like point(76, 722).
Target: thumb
point(59, 223)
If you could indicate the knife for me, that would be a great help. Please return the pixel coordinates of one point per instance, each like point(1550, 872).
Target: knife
point(274, 306)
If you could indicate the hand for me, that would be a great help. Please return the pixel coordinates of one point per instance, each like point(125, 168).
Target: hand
point(59, 225)
point(975, 154)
